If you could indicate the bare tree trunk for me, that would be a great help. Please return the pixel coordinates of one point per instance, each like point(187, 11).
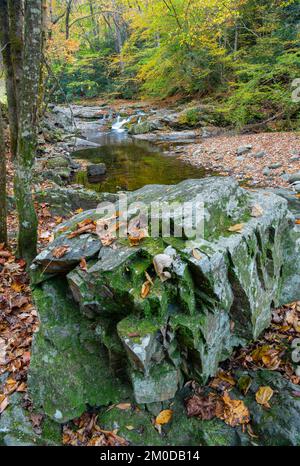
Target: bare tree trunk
point(3, 207)
point(16, 35)
point(9, 76)
point(68, 14)
point(27, 141)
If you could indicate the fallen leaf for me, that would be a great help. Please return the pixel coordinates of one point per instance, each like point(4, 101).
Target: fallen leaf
point(136, 235)
point(263, 396)
point(297, 221)
point(201, 406)
point(233, 412)
point(19, 302)
point(3, 405)
point(88, 228)
point(83, 264)
point(145, 289)
point(129, 427)
point(236, 228)
point(149, 279)
point(22, 387)
point(60, 251)
point(164, 417)
point(36, 419)
point(268, 356)
point(197, 254)
point(244, 383)
point(17, 287)
point(5, 254)
point(257, 211)
point(123, 406)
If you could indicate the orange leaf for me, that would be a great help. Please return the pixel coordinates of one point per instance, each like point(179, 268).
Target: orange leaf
point(4, 404)
point(164, 417)
point(145, 290)
point(60, 251)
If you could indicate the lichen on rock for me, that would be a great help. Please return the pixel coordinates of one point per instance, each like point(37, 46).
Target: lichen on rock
point(99, 331)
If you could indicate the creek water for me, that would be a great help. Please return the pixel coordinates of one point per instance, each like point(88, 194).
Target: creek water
point(132, 164)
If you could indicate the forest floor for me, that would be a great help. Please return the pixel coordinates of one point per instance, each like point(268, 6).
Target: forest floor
point(19, 318)
point(279, 155)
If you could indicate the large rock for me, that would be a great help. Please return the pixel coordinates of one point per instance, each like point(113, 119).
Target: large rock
point(97, 169)
point(69, 368)
point(216, 292)
point(62, 200)
point(278, 425)
point(17, 430)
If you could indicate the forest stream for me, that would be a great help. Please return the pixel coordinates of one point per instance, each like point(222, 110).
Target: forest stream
point(132, 164)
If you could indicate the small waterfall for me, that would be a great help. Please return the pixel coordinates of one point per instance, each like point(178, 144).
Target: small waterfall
point(118, 126)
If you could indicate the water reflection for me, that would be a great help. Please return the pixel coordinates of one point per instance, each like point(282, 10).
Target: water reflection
point(132, 164)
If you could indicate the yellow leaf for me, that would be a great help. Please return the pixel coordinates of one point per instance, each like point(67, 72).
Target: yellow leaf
point(164, 417)
point(233, 412)
point(236, 228)
point(129, 427)
point(263, 396)
point(3, 405)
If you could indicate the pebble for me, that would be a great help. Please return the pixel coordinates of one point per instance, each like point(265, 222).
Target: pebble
point(266, 171)
point(243, 149)
point(274, 166)
point(259, 155)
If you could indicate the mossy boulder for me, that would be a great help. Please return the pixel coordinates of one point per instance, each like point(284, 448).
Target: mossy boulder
point(17, 430)
point(219, 292)
point(279, 424)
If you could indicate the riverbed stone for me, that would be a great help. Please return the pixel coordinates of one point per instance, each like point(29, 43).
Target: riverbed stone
point(294, 177)
point(97, 169)
point(278, 425)
point(69, 368)
point(17, 430)
point(63, 200)
point(217, 291)
point(244, 149)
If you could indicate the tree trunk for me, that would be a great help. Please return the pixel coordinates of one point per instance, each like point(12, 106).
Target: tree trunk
point(27, 141)
point(68, 14)
point(3, 207)
point(9, 76)
point(16, 36)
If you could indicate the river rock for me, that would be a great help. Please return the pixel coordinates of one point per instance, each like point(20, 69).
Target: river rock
point(177, 136)
point(278, 425)
point(244, 149)
point(274, 166)
point(69, 368)
point(260, 155)
point(294, 177)
point(16, 428)
point(98, 169)
point(63, 200)
point(142, 128)
point(57, 162)
point(79, 143)
point(217, 293)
